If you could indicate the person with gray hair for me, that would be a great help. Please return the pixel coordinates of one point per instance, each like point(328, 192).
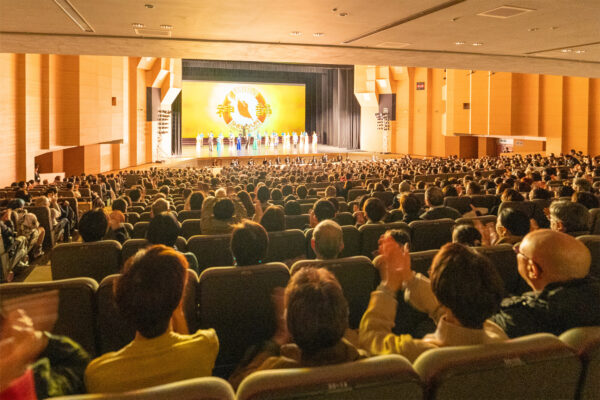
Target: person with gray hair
point(568, 217)
point(327, 240)
point(159, 206)
point(434, 199)
point(582, 185)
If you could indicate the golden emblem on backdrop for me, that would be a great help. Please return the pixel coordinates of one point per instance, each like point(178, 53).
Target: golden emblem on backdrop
point(244, 107)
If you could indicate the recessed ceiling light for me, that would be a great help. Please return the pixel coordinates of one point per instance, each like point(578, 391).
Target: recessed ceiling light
point(477, 44)
point(343, 14)
point(295, 33)
point(459, 43)
point(149, 5)
point(566, 50)
point(318, 34)
point(137, 25)
point(532, 29)
point(167, 27)
point(553, 28)
point(579, 51)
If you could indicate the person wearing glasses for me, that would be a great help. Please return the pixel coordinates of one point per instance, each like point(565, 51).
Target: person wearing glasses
point(564, 294)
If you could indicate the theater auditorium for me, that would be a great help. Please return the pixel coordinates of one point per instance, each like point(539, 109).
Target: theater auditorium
point(254, 200)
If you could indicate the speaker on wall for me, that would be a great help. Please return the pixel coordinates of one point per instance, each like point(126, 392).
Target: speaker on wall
point(388, 101)
point(152, 103)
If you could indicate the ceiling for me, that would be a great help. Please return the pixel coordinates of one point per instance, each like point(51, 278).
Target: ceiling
point(559, 37)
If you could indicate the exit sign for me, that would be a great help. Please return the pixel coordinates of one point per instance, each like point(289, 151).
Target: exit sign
point(420, 85)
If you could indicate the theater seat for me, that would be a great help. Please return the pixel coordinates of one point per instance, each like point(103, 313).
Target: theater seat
point(344, 218)
point(94, 260)
point(189, 214)
point(113, 330)
point(139, 229)
point(286, 245)
point(132, 246)
point(43, 216)
point(427, 235)
point(190, 227)
point(595, 221)
point(537, 366)
point(484, 201)
point(586, 342)
point(211, 250)
point(527, 207)
point(386, 197)
point(504, 260)
point(370, 234)
point(381, 377)
point(592, 242)
point(296, 221)
point(76, 307)
point(145, 216)
point(460, 203)
point(484, 219)
point(206, 388)
point(356, 275)
point(132, 217)
point(236, 302)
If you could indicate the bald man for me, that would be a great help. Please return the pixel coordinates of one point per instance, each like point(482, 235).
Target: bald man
point(327, 240)
point(556, 266)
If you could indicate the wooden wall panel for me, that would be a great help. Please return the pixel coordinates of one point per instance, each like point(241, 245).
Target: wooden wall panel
point(422, 113)
point(551, 112)
point(438, 109)
point(575, 114)
point(500, 97)
point(458, 94)
point(594, 117)
point(525, 104)
point(478, 114)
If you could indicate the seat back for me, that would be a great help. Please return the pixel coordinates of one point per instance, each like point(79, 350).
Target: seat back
point(131, 247)
point(526, 206)
point(236, 302)
point(595, 221)
point(43, 217)
point(132, 217)
point(211, 250)
point(296, 221)
point(592, 242)
point(586, 341)
point(286, 245)
point(460, 203)
point(76, 307)
point(537, 366)
point(370, 234)
point(145, 216)
point(305, 207)
point(484, 200)
point(504, 260)
point(344, 219)
point(189, 214)
point(114, 332)
point(433, 234)
point(420, 261)
point(94, 260)
point(205, 388)
point(190, 227)
point(381, 377)
point(139, 229)
point(484, 219)
point(386, 197)
point(356, 275)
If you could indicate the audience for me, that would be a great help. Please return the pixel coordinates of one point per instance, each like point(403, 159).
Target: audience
point(467, 235)
point(148, 295)
point(165, 229)
point(511, 226)
point(327, 240)
point(434, 199)
point(93, 225)
point(273, 219)
point(220, 213)
point(322, 210)
point(249, 243)
point(569, 217)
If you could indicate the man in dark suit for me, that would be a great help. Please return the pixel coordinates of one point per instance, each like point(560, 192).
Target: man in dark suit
point(434, 199)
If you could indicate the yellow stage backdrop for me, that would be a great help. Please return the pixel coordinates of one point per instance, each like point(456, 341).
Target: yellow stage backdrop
point(230, 106)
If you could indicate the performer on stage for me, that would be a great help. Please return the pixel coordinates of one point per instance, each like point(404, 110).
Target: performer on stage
point(220, 142)
point(295, 139)
point(239, 142)
point(315, 139)
point(211, 138)
point(230, 140)
point(254, 140)
point(199, 142)
point(247, 137)
point(258, 139)
point(275, 139)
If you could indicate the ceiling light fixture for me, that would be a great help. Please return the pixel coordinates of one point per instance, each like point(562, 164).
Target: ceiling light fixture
point(459, 43)
point(149, 5)
point(167, 27)
point(295, 33)
point(532, 29)
point(72, 13)
point(318, 34)
point(566, 50)
point(343, 14)
point(137, 25)
point(579, 51)
point(477, 44)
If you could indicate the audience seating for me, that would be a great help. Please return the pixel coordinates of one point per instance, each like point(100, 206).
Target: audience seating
point(211, 250)
point(113, 330)
point(358, 279)
point(593, 244)
point(138, 209)
point(526, 206)
point(395, 215)
point(206, 388)
point(236, 302)
point(595, 221)
point(286, 245)
point(504, 259)
point(132, 246)
point(538, 366)
point(370, 234)
point(76, 307)
point(43, 216)
point(355, 193)
point(190, 227)
point(132, 217)
point(94, 260)
point(484, 219)
point(586, 342)
point(381, 377)
point(432, 234)
point(189, 214)
point(145, 216)
point(344, 218)
point(296, 221)
point(386, 197)
point(460, 203)
point(305, 208)
point(484, 200)
point(139, 229)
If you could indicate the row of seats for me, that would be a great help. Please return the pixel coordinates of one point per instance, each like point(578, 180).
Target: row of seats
point(531, 367)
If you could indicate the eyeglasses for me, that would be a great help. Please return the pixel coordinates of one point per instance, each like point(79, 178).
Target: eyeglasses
point(517, 250)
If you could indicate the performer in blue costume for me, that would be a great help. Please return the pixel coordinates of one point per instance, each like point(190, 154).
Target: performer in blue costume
point(239, 142)
point(254, 144)
point(220, 142)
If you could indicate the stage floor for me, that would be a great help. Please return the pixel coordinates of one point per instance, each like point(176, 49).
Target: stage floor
point(190, 151)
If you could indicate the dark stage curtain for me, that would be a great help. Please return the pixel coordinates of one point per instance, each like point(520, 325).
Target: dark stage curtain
point(176, 126)
point(331, 107)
